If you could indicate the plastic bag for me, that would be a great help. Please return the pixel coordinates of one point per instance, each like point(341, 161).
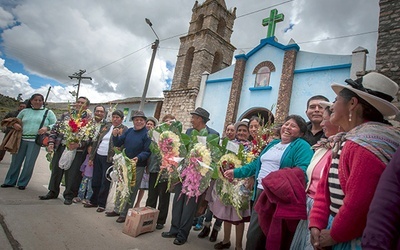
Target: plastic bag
point(66, 159)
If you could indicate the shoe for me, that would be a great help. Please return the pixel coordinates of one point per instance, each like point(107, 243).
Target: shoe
point(67, 202)
point(221, 245)
point(112, 214)
point(159, 226)
point(21, 187)
point(89, 205)
point(168, 235)
point(100, 210)
point(120, 219)
point(178, 242)
point(214, 235)
point(198, 227)
point(84, 201)
point(48, 196)
point(76, 200)
point(204, 233)
point(6, 186)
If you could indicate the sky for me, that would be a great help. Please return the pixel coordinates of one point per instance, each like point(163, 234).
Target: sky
point(43, 42)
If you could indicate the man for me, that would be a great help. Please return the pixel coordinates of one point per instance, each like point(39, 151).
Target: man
point(101, 157)
point(57, 143)
point(184, 207)
point(11, 114)
point(99, 114)
point(314, 113)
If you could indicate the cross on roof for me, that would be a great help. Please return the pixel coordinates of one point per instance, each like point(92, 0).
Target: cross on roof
point(271, 21)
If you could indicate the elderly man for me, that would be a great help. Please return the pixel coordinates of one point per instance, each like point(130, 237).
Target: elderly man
point(184, 207)
point(57, 143)
point(101, 157)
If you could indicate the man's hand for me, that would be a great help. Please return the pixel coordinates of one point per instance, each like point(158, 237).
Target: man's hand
point(50, 147)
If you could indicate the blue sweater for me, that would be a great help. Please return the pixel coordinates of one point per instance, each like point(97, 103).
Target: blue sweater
point(297, 154)
point(136, 144)
point(31, 119)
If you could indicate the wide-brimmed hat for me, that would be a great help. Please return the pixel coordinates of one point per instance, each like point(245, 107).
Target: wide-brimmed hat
point(325, 104)
point(153, 119)
point(138, 113)
point(376, 89)
point(202, 113)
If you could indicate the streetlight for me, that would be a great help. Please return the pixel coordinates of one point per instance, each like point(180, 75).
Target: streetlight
point(154, 46)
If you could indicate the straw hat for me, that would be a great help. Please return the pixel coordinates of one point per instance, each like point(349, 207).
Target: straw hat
point(376, 89)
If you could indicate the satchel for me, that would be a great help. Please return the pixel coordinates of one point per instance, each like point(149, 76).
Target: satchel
point(43, 139)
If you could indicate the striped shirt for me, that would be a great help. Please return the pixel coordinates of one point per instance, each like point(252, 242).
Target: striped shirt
point(335, 190)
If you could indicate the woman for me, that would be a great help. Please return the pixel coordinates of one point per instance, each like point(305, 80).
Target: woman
point(28, 151)
point(288, 152)
point(344, 194)
point(228, 213)
point(230, 131)
point(136, 143)
point(321, 157)
point(254, 124)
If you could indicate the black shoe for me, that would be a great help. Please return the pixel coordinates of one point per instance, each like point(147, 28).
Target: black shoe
point(221, 245)
point(112, 214)
point(48, 196)
point(67, 202)
point(100, 210)
point(159, 226)
point(21, 187)
point(120, 219)
point(214, 235)
point(204, 233)
point(168, 235)
point(179, 242)
point(6, 186)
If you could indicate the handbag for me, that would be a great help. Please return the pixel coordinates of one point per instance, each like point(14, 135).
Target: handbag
point(43, 139)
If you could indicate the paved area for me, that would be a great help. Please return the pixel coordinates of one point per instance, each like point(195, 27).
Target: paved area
point(29, 223)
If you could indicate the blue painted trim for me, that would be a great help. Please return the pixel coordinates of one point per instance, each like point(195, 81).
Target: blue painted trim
point(220, 80)
point(260, 88)
point(332, 67)
point(241, 56)
point(271, 41)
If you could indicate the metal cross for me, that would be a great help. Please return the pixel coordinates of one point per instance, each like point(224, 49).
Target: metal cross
point(271, 21)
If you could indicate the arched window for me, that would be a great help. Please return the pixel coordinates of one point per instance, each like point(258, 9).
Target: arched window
point(199, 22)
point(263, 73)
point(217, 62)
point(221, 27)
point(262, 77)
point(187, 67)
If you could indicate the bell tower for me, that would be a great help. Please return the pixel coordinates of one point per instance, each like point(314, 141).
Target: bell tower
point(206, 48)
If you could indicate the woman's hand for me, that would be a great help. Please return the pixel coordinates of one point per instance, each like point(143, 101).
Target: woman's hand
point(315, 233)
point(229, 174)
point(42, 131)
point(17, 127)
point(325, 239)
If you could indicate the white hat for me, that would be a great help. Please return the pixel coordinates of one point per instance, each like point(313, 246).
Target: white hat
point(376, 89)
point(325, 104)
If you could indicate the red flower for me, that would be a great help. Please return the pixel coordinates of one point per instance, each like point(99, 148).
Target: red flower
point(73, 125)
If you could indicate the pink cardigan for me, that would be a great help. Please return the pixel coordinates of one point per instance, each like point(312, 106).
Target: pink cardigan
point(359, 173)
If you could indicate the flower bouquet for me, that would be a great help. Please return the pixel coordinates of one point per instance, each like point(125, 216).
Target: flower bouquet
point(125, 170)
point(196, 176)
point(261, 139)
point(232, 193)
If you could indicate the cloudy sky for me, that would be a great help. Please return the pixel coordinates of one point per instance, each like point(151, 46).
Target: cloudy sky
point(42, 42)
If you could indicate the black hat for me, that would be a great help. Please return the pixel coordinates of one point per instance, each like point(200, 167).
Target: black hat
point(138, 113)
point(119, 113)
point(202, 113)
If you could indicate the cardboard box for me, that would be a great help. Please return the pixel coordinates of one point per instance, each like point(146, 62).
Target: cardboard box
point(140, 220)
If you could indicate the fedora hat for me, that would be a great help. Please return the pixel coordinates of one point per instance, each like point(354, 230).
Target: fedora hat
point(153, 119)
point(202, 113)
point(376, 89)
point(138, 113)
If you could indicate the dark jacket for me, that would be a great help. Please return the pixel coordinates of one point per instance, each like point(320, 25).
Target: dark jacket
point(104, 129)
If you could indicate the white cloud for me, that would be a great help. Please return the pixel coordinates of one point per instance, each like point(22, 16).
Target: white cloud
point(111, 40)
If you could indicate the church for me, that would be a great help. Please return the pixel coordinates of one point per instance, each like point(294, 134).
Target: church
point(273, 79)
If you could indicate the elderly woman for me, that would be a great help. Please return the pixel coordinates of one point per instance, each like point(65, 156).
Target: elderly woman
point(359, 157)
point(288, 152)
point(321, 157)
point(28, 151)
point(136, 143)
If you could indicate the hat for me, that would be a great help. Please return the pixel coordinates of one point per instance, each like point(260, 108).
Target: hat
point(241, 123)
point(325, 104)
point(138, 113)
point(376, 89)
point(202, 113)
point(119, 113)
point(150, 118)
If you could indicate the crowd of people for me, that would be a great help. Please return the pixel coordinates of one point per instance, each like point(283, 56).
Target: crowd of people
point(331, 182)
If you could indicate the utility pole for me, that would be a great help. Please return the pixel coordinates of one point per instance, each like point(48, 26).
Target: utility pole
point(78, 75)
